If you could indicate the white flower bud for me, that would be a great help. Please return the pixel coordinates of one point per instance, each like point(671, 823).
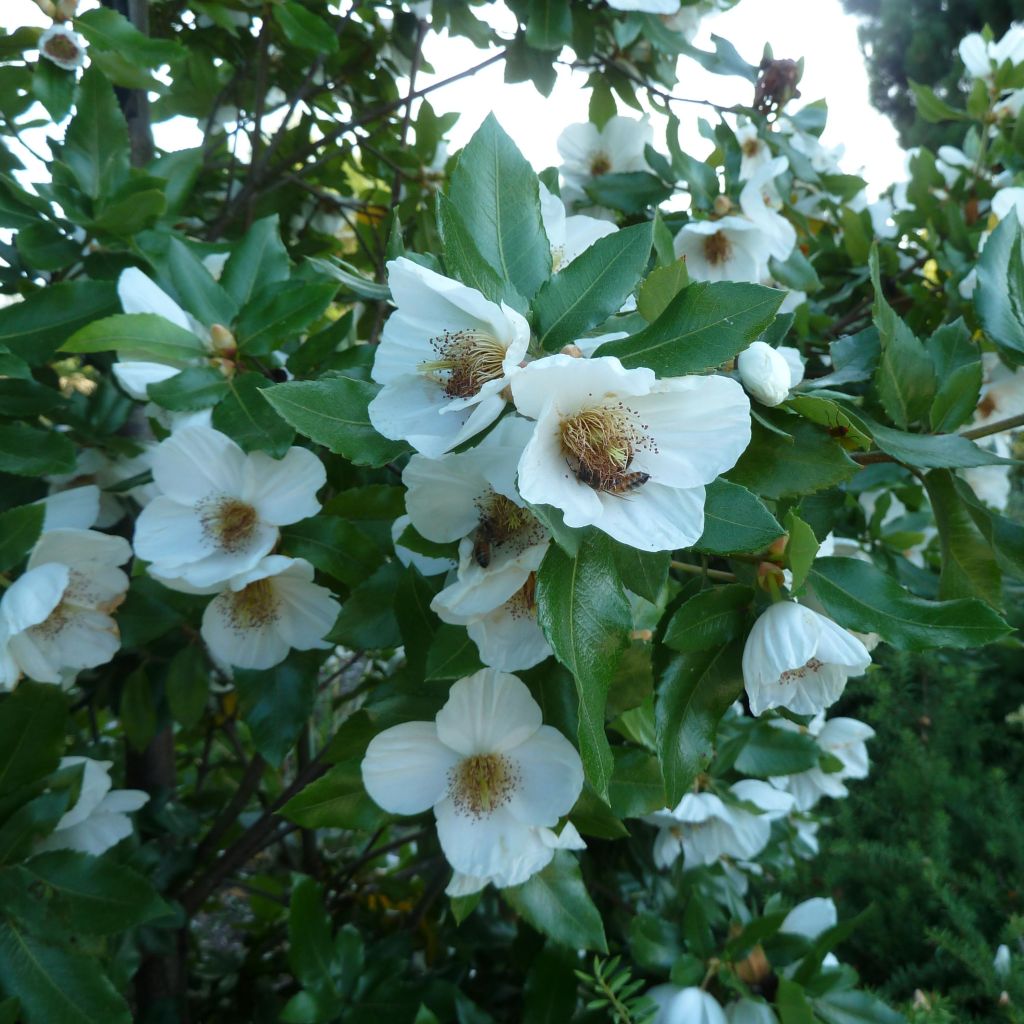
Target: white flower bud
point(1001, 963)
point(764, 373)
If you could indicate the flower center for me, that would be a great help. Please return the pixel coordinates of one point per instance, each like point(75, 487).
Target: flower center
point(751, 147)
point(466, 361)
point(793, 674)
point(717, 248)
point(61, 47)
point(229, 522)
point(523, 603)
point(480, 784)
point(600, 163)
point(599, 444)
point(254, 606)
point(501, 521)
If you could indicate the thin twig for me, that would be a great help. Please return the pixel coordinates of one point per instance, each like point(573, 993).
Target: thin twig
point(697, 570)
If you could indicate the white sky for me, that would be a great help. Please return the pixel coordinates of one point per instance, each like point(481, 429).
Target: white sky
point(817, 30)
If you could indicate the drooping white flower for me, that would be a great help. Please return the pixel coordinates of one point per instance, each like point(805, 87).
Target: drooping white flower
point(428, 565)
point(843, 738)
point(760, 201)
point(99, 819)
point(588, 152)
point(799, 659)
point(570, 236)
point(62, 46)
point(765, 373)
point(264, 613)
point(685, 1006)
point(982, 58)
point(445, 357)
point(625, 452)
point(728, 249)
point(704, 828)
point(491, 770)
point(219, 508)
point(55, 617)
point(1009, 201)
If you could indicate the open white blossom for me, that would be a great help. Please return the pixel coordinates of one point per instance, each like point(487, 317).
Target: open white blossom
point(588, 151)
point(731, 248)
point(765, 373)
point(799, 659)
point(219, 508)
point(55, 618)
point(760, 202)
point(625, 452)
point(570, 236)
point(685, 1006)
point(756, 152)
point(982, 58)
point(99, 819)
point(445, 357)
point(843, 738)
point(264, 613)
point(491, 770)
point(62, 46)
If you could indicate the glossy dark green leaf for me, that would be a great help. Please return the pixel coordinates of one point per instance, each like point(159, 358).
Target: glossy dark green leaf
point(31, 733)
point(196, 387)
point(199, 293)
point(735, 520)
point(258, 260)
point(662, 285)
point(276, 702)
point(19, 530)
point(768, 751)
point(249, 419)
point(27, 451)
point(280, 313)
point(187, 685)
point(999, 296)
point(96, 149)
point(304, 29)
point(144, 335)
point(1005, 535)
point(335, 800)
point(709, 619)
point(932, 451)
point(334, 546)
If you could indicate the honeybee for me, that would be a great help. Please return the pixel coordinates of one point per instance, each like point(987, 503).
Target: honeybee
point(617, 483)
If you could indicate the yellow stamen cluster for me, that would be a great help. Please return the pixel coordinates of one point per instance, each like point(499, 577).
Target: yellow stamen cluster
point(717, 248)
point(254, 606)
point(480, 784)
point(466, 361)
point(600, 163)
point(229, 522)
point(600, 443)
point(502, 522)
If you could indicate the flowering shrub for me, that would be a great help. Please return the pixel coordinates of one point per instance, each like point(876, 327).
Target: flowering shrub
point(344, 481)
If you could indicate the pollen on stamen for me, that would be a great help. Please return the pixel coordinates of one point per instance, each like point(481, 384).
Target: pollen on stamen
point(503, 524)
point(717, 248)
point(793, 674)
point(523, 603)
point(480, 784)
point(600, 443)
point(253, 607)
point(229, 523)
point(466, 361)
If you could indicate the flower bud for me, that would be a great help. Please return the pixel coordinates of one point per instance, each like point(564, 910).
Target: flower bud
point(1001, 963)
point(722, 205)
point(571, 350)
point(223, 341)
point(764, 373)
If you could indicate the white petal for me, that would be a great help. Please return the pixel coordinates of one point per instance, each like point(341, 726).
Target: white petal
point(77, 508)
point(484, 845)
point(441, 495)
point(488, 712)
point(511, 643)
point(232, 643)
point(95, 785)
point(32, 659)
point(308, 612)
point(405, 769)
point(85, 550)
point(550, 778)
point(198, 462)
point(284, 490)
point(571, 384)
point(135, 376)
point(810, 918)
point(653, 517)
point(33, 596)
point(170, 534)
point(838, 646)
point(138, 294)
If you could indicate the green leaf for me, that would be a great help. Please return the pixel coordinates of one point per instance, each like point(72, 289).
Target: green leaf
point(829, 414)
point(592, 287)
point(768, 751)
point(999, 297)
point(709, 619)
point(735, 520)
point(636, 788)
point(93, 895)
point(36, 327)
point(280, 313)
point(43, 247)
point(304, 29)
point(144, 335)
point(26, 451)
point(632, 192)
point(335, 800)
point(32, 722)
point(332, 412)
point(452, 655)
point(556, 903)
point(276, 702)
point(931, 451)
point(367, 620)
point(643, 572)
point(54, 88)
point(586, 618)
point(957, 363)
point(9, 1009)
point(249, 419)
point(107, 30)
point(187, 685)
point(549, 993)
point(334, 546)
point(138, 709)
point(196, 387)
point(96, 149)
point(777, 467)
point(258, 260)
point(55, 984)
point(705, 325)
point(861, 597)
point(801, 549)
point(855, 1007)
point(931, 108)
point(203, 297)
point(593, 816)
point(497, 197)
point(548, 24)
point(663, 284)
point(969, 567)
point(693, 693)
point(31, 822)
point(1005, 535)
point(19, 530)
point(792, 1004)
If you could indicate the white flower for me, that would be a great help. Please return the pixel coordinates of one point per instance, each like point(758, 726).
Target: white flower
point(569, 236)
point(445, 357)
point(811, 918)
point(63, 46)
point(1002, 391)
point(729, 249)
point(99, 819)
point(489, 768)
point(798, 659)
point(264, 613)
point(759, 201)
point(588, 152)
point(982, 59)
point(425, 564)
point(626, 452)
point(843, 738)
point(991, 484)
point(1007, 201)
point(746, 1011)
point(56, 615)
point(703, 828)
point(756, 153)
point(765, 373)
point(1001, 962)
point(685, 1006)
point(219, 508)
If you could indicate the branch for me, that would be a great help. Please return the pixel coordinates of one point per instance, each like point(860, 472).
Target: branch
point(699, 570)
point(1010, 423)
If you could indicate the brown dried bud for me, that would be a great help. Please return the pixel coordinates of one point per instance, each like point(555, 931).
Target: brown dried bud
point(571, 350)
point(722, 205)
point(755, 968)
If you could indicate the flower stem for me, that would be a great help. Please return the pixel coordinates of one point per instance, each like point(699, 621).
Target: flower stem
point(697, 570)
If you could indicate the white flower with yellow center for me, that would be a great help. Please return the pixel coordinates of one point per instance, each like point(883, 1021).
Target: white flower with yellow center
point(625, 452)
point(490, 769)
point(756, 152)
point(704, 828)
point(55, 618)
point(731, 248)
point(982, 58)
point(63, 47)
point(570, 236)
point(588, 152)
point(445, 357)
point(219, 509)
point(264, 613)
point(799, 659)
point(99, 819)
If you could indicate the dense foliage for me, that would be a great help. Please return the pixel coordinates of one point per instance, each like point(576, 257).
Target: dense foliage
point(427, 584)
